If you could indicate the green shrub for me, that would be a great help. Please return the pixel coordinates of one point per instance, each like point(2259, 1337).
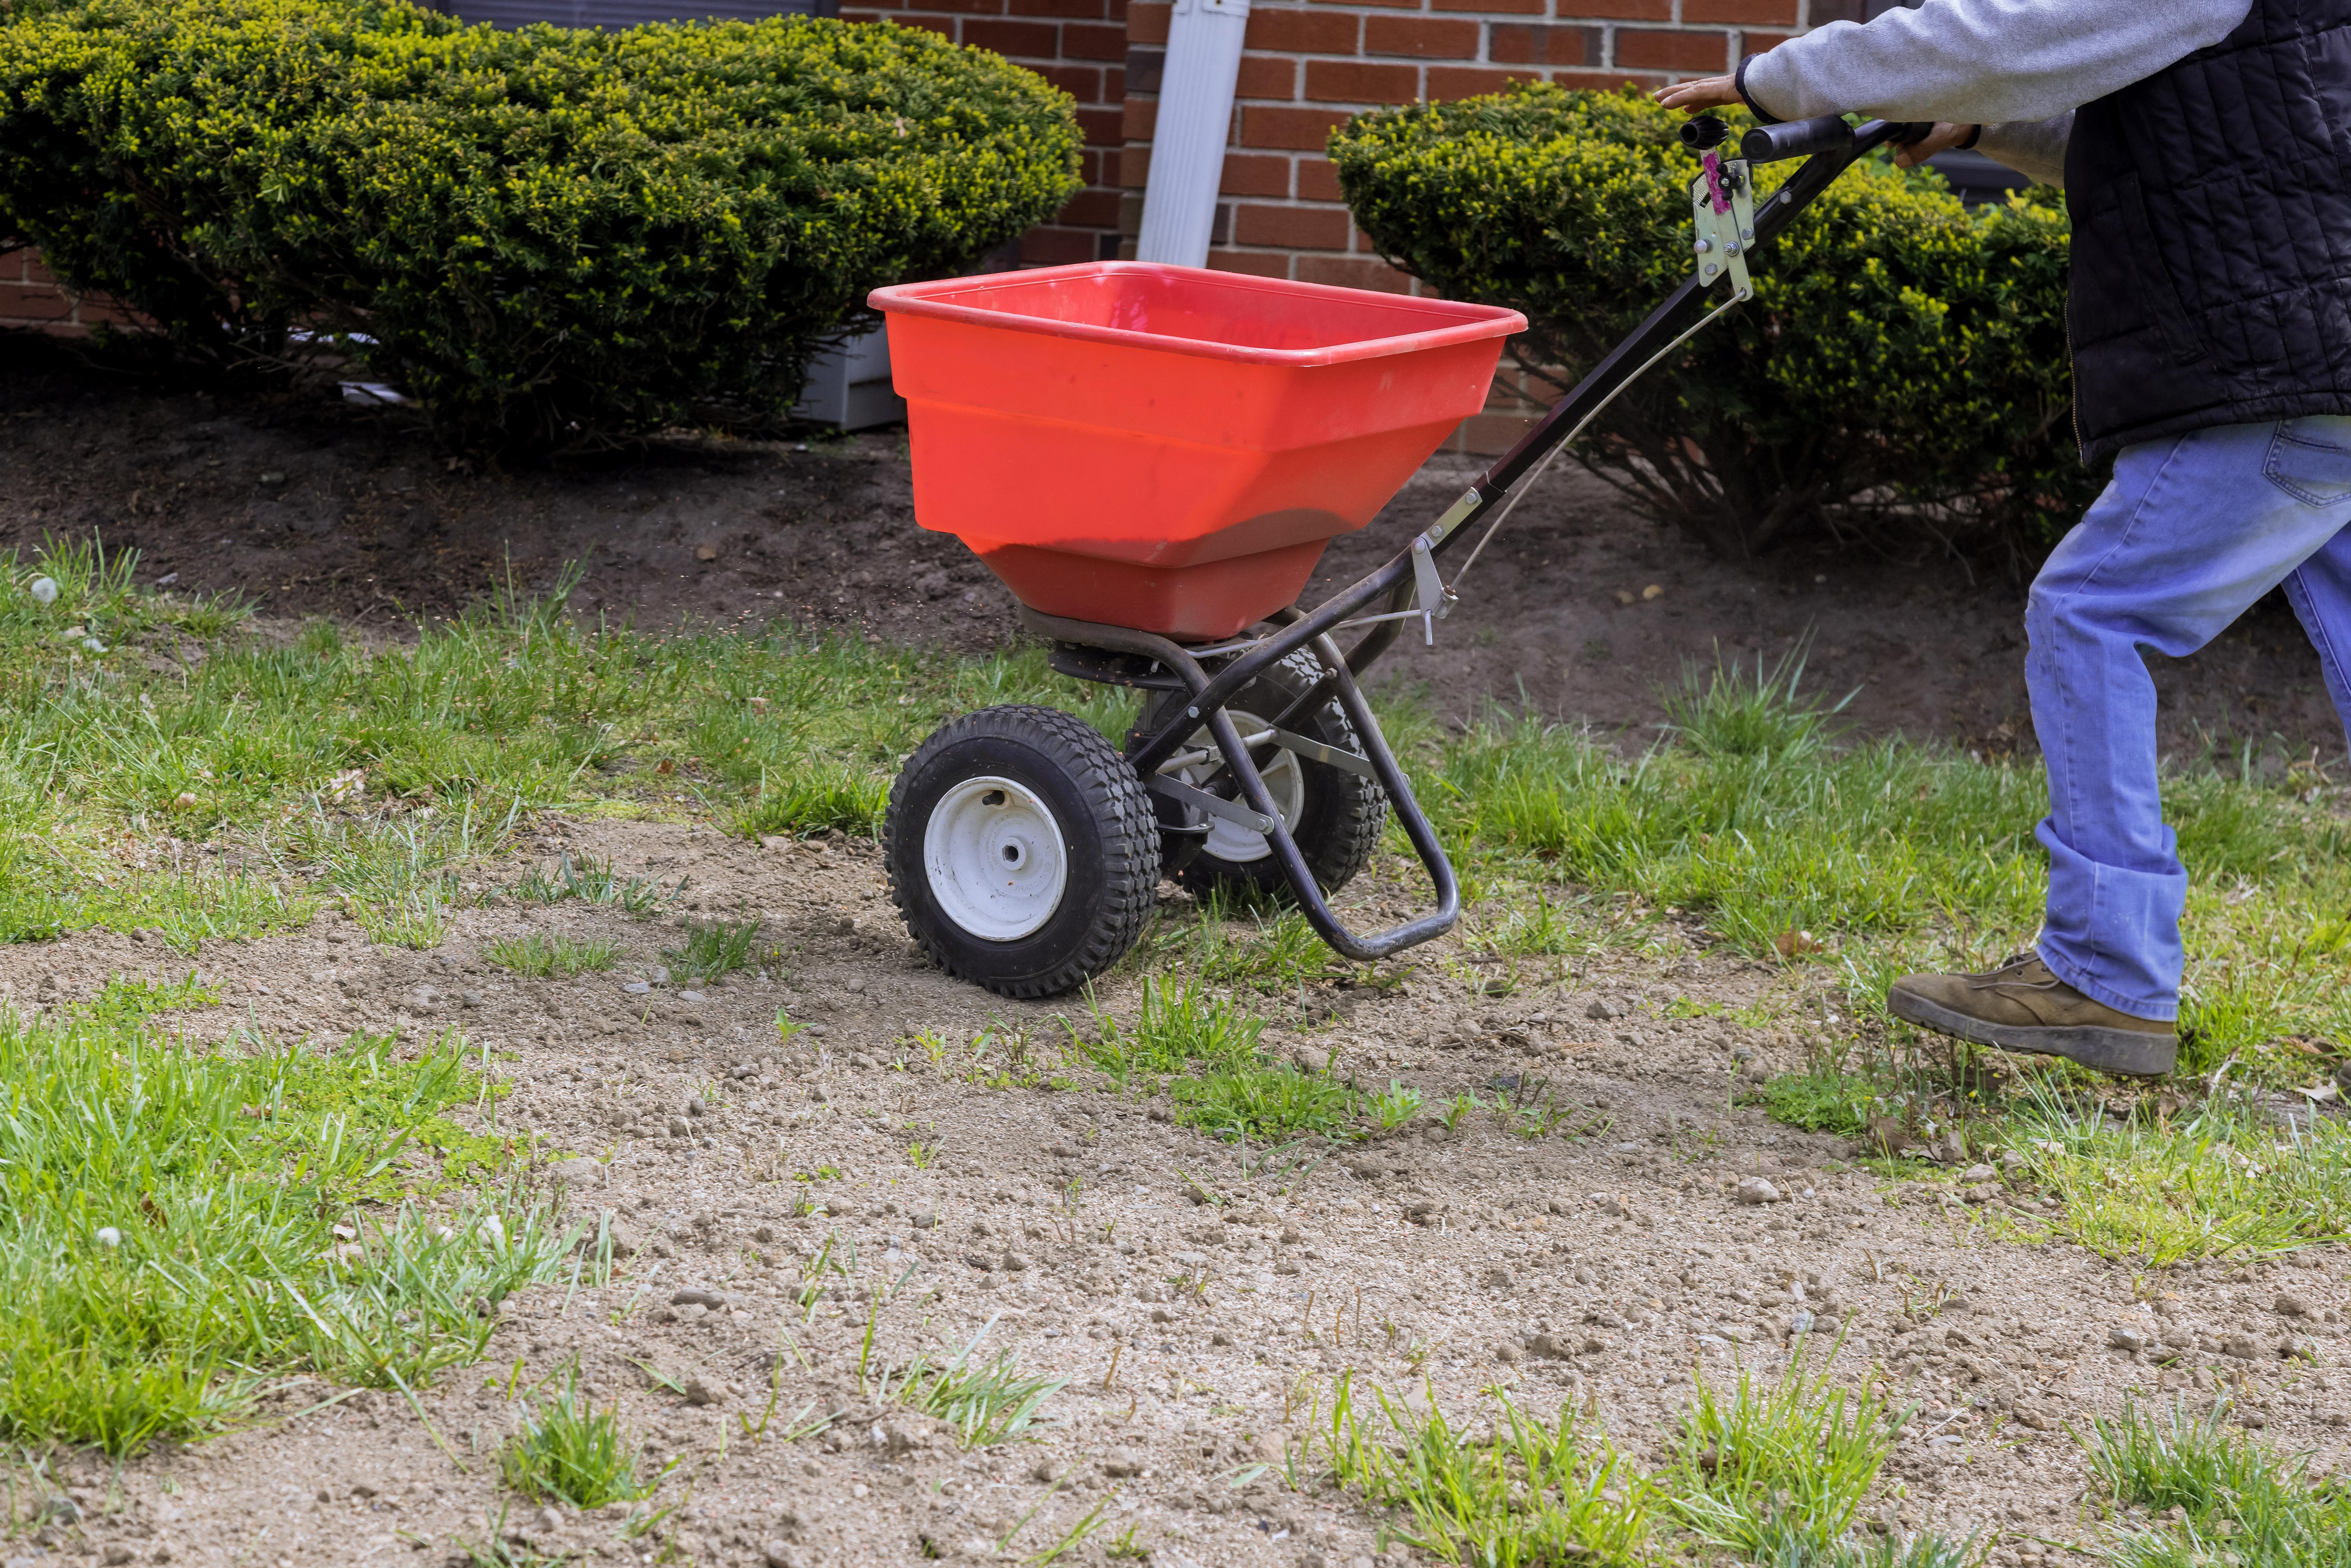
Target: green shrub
point(1901, 369)
point(551, 236)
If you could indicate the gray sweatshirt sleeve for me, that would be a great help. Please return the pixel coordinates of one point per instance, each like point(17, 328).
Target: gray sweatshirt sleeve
point(1984, 62)
point(2033, 148)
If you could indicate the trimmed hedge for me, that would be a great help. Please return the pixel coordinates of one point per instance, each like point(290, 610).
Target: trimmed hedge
point(1901, 369)
point(552, 237)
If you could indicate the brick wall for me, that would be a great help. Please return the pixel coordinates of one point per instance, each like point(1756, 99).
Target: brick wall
point(30, 299)
point(1079, 45)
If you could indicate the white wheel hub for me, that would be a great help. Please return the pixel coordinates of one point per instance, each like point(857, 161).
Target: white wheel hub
point(994, 858)
point(1284, 780)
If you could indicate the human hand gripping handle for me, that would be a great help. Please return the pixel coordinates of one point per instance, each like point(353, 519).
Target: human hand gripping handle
point(1798, 139)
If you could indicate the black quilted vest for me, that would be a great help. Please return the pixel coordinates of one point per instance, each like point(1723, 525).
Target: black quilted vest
point(2211, 206)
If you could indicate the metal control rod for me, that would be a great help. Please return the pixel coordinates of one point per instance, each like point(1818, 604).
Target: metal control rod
point(1394, 582)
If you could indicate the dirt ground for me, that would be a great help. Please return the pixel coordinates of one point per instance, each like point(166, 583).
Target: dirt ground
point(1600, 1265)
point(316, 508)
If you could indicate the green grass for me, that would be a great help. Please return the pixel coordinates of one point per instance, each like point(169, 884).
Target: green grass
point(987, 1404)
point(712, 951)
point(811, 800)
point(563, 1448)
point(1178, 1027)
point(1778, 1472)
point(2238, 1503)
point(2222, 1182)
point(1396, 1106)
point(1893, 855)
point(1772, 1474)
point(591, 880)
point(380, 778)
point(1520, 1494)
point(1819, 1099)
point(178, 1226)
point(1266, 1104)
point(544, 957)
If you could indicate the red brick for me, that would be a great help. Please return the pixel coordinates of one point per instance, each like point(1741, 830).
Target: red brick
point(1359, 81)
point(1301, 32)
point(1827, 11)
point(1137, 116)
point(1606, 81)
point(1014, 40)
point(1146, 21)
point(1256, 263)
point(1293, 228)
point(1752, 43)
point(1318, 182)
point(942, 26)
point(97, 311)
point(1256, 175)
point(1470, 82)
point(1057, 247)
point(959, 8)
point(1092, 41)
point(1429, 37)
point(1773, 13)
point(1090, 209)
point(36, 269)
point(34, 305)
point(1353, 272)
point(1304, 130)
point(1617, 10)
point(1081, 82)
point(1524, 43)
point(1267, 76)
point(1135, 167)
point(1102, 127)
point(1083, 10)
point(1115, 11)
point(1498, 7)
point(1640, 46)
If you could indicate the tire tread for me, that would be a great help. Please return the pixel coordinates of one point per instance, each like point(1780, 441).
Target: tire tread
point(1122, 810)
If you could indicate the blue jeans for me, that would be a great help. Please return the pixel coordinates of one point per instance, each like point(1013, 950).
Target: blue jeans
point(2189, 533)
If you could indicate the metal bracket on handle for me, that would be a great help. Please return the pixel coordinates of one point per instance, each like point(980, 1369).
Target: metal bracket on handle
point(1435, 601)
point(1722, 202)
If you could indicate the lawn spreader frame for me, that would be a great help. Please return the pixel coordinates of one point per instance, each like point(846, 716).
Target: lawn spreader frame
point(1010, 781)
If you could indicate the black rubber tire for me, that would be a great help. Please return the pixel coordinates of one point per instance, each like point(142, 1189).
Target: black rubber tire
point(1108, 833)
point(1339, 822)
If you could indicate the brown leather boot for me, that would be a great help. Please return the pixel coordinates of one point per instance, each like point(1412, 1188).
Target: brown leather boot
point(2020, 1005)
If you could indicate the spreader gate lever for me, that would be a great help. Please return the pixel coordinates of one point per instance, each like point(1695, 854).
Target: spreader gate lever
point(1436, 599)
point(1723, 201)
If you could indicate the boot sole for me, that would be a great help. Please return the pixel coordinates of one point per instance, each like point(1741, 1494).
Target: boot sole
point(2130, 1052)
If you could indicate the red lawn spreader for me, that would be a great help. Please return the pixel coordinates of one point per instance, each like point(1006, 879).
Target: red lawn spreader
point(1152, 458)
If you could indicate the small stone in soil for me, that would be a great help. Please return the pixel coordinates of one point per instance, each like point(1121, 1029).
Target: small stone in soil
point(1755, 1190)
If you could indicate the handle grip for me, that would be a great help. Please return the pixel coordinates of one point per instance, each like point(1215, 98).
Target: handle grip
point(1795, 138)
point(1702, 131)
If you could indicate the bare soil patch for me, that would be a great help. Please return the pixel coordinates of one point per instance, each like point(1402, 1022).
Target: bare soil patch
point(1601, 1265)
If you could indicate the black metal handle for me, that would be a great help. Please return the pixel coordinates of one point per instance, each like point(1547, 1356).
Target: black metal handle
point(1795, 138)
point(1703, 131)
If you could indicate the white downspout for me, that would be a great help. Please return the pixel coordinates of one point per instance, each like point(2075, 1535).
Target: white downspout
point(1187, 143)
